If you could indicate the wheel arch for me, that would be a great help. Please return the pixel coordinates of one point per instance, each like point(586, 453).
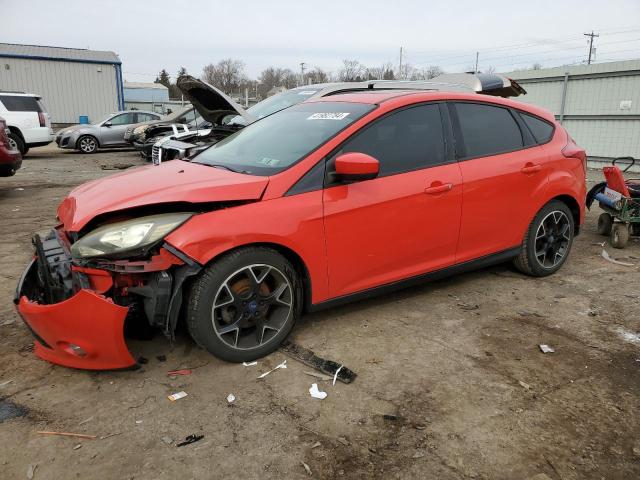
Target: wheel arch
point(573, 206)
point(288, 253)
point(17, 131)
point(86, 135)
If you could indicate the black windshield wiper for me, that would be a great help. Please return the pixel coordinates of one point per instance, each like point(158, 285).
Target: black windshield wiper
point(216, 165)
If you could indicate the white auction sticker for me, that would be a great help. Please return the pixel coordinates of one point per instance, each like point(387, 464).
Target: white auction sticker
point(307, 92)
point(177, 396)
point(327, 116)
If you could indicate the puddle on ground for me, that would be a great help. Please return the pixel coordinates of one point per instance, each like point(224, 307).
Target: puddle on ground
point(9, 410)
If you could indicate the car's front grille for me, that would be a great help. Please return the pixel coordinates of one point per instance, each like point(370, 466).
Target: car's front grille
point(156, 154)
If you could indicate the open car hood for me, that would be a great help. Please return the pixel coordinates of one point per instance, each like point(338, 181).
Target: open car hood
point(210, 102)
point(169, 183)
point(485, 83)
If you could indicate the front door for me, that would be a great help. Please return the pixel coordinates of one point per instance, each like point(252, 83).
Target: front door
point(406, 221)
point(112, 131)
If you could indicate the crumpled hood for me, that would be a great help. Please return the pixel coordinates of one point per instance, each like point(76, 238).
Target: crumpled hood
point(171, 182)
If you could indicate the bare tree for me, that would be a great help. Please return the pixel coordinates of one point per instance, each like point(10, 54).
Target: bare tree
point(227, 74)
point(383, 72)
point(276, 77)
point(490, 69)
point(536, 66)
point(433, 71)
point(317, 75)
point(352, 71)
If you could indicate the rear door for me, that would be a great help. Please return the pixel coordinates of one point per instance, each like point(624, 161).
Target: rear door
point(504, 173)
point(406, 221)
point(113, 134)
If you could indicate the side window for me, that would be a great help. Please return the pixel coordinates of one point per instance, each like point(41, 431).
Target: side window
point(487, 130)
point(146, 117)
point(20, 104)
point(541, 130)
point(407, 140)
point(124, 119)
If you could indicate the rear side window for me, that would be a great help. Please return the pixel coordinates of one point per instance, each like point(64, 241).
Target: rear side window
point(20, 104)
point(487, 130)
point(146, 117)
point(407, 140)
point(541, 130)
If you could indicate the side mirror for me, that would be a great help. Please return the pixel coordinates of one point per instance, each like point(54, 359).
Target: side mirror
point(356, 166)
point(108, 124)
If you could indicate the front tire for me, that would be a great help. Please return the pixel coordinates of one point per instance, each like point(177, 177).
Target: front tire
point(87, 144)
point(548, 240)
point(243, 306)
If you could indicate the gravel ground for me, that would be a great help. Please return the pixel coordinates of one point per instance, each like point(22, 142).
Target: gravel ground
point(451, 382)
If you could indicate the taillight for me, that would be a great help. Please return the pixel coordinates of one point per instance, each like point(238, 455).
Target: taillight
point(42, 119)
point(572, 150)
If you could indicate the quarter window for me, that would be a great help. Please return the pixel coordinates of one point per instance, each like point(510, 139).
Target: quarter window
point(541, 130)
point(487, 130)
point(407, 140)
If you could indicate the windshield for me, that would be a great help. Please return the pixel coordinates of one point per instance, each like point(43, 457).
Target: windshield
point(278, 141)
point(276, 103)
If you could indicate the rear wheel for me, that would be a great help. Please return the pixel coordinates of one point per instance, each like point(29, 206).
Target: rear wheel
point(605, 222)
point(16, 143)
point(619, 235)
point(244, 305)
point(87, 144)
point(547, 242)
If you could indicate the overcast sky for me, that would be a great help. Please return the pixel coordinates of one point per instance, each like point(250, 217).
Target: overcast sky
point(150, 35)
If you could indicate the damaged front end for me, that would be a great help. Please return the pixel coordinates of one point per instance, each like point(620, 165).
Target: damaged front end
point(77, 310)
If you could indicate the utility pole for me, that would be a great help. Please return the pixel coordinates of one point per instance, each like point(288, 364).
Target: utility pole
point(591, 35)
point(400, 66)
point(477, 55)
point(302, 68)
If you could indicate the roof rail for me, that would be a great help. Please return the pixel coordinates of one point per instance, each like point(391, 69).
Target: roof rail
point(10, 91)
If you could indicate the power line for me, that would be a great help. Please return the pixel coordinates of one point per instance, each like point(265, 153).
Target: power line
point(591, 35)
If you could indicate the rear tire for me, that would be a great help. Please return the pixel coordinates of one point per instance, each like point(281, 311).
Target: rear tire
point(16, 142)
point(605, 223)
point(547, 243)
point(243, 306)
point(619, 235)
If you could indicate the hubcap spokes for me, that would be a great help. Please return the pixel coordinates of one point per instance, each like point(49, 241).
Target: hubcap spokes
point(252, 306)
point(12, 144)
point(86, 145)
point(552, 239)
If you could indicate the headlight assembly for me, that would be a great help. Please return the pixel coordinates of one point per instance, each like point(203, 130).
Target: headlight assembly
point(139, 130)
point(131, 235)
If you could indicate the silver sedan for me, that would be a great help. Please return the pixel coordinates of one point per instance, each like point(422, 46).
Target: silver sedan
point(107, 133)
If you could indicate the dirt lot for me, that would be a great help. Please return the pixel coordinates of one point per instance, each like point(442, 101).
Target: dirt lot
point(454, 364)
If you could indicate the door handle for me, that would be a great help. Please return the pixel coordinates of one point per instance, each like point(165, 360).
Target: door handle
point(531, 168)
point(438, 188)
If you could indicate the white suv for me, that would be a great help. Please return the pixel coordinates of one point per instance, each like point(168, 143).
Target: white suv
point(27, 120)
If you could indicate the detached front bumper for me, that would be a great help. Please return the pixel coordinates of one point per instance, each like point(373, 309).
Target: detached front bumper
point(84, 331)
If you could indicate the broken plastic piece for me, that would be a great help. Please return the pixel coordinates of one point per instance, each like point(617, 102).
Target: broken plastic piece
point(307, 468)
point(67, 434)
point(282, 365)
point(249, 364)
point(335, 376)
point(309, 358)
point(177, 396)
point(231, 398)
point(315, 393)
point(179, 372)
point(546, 348)
point(607, 257)
point(189, 439)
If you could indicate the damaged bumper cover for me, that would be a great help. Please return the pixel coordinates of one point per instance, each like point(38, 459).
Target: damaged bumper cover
point(77, 314)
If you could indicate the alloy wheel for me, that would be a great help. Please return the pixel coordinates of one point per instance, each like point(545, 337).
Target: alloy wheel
point(251, 306)
point(552, 239)
point(87, 145)
point(12, 144)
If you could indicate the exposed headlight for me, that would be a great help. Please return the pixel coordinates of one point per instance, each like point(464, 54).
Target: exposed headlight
point(123, 237)
point(139, 130)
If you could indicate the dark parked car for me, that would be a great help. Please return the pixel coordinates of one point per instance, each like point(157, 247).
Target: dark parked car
point(10, 158)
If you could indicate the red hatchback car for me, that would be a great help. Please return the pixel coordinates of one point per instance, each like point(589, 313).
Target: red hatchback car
point(331, 200)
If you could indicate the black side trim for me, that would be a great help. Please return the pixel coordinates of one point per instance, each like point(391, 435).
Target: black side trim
point(470, 265)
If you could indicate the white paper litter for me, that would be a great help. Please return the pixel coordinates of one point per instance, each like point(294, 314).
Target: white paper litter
point(3, 384)
point(231, 398)
point(546, 348)
point(607, 257)
point(335, 376)
point(249, 364)
point(282, 365)
point(177, 396)
point(315, 393)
